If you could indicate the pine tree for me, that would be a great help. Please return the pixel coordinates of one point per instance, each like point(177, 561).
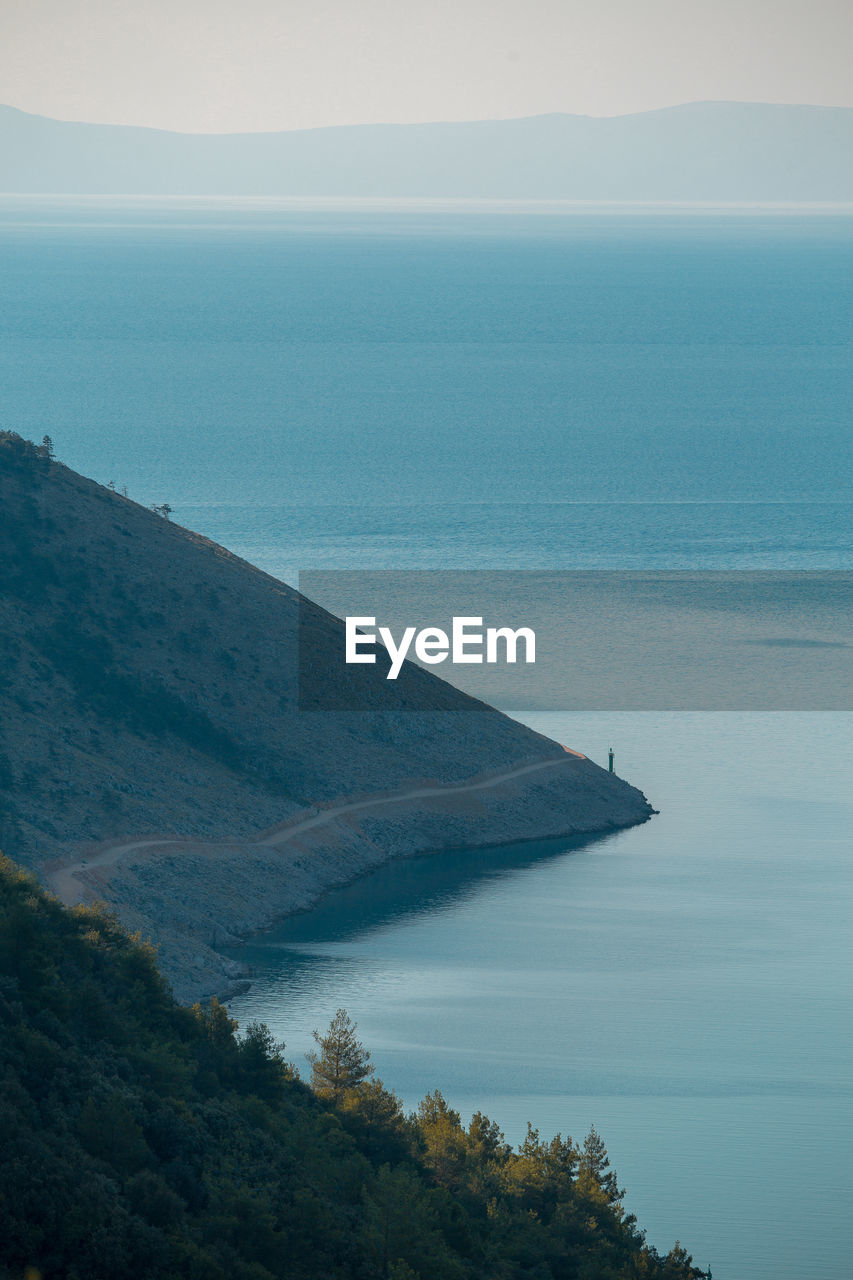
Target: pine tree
point(343, 1062)
point(594, 1172)
point(444, 1138)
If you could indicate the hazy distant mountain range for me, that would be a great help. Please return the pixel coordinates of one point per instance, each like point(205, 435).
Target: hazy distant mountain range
point(702, 151)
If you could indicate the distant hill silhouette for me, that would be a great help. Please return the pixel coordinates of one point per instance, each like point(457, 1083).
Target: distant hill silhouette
point(701, 151)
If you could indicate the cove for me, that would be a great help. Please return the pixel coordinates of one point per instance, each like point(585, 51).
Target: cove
point(683, 984)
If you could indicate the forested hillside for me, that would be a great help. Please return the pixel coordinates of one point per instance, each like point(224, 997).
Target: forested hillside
point(145, 1139)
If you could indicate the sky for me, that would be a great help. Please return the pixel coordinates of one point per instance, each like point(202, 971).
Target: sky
point(211, 66)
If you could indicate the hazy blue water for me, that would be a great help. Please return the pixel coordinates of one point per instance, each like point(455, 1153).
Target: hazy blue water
point(233, 357)
point(428, 388)
point(355, 388)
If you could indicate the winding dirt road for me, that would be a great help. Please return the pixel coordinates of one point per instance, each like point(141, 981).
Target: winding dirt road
point(64, 880)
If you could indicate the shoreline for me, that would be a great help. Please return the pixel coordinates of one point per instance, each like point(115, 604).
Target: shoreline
point(580, 840)
point(193, 897)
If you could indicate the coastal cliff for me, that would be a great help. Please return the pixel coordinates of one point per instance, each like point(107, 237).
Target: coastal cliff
point(153, 753)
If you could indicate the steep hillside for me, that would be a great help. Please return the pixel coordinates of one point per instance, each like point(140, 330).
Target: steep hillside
point(149, 698)
point(143, 1139)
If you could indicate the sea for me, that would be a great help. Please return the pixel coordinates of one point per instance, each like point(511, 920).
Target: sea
point(422, 385)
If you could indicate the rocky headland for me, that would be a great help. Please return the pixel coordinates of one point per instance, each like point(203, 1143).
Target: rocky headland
point(154, 752)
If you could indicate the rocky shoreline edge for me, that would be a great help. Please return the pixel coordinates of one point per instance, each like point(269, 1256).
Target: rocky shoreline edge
point(192, 898)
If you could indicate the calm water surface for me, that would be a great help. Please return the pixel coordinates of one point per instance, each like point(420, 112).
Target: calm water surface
point(685, 985)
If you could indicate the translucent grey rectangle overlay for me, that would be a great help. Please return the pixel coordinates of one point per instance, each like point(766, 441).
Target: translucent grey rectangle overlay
point(605, 640)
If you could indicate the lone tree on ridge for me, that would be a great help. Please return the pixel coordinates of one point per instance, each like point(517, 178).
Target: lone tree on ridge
point(343, 1062)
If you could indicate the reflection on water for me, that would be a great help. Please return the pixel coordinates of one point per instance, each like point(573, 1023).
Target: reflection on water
point(410, 887)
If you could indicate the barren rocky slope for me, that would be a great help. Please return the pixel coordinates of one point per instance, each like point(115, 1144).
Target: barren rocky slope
point(148, 710)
